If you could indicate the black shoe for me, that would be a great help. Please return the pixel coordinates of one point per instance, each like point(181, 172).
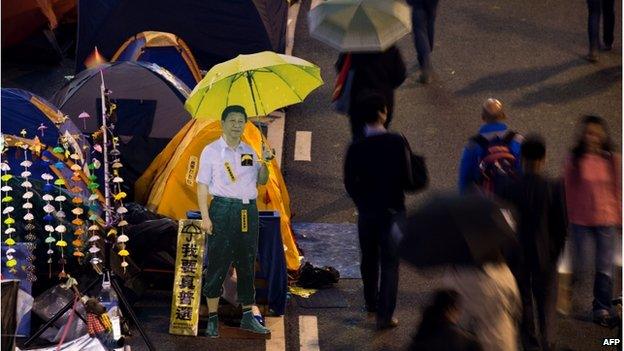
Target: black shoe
point(607, 47)
point(592, 57)
point(387, 324)
point(606, 320)
point(121, 342)
point(425, 78)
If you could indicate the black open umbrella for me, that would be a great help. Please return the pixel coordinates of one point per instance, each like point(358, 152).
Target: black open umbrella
point(461, 230)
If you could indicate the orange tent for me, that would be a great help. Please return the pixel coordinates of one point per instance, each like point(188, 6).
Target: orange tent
point(21, 18)
point(168, 185)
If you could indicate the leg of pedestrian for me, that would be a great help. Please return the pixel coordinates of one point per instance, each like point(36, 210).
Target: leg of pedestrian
point(608, 23)
point(389, 282)
point(593, 29)
point(369, 263)
point(603, 280)
point(421, 39)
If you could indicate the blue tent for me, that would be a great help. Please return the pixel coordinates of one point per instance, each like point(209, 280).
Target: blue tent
point(215, 30)
point(22, 110)
point(164, 49)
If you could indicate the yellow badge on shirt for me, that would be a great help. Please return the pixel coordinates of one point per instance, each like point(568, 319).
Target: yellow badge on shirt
point(230, 171)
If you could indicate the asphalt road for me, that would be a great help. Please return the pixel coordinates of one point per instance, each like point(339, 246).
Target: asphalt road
point(526, 53)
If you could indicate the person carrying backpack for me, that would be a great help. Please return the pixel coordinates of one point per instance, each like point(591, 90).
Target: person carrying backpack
point(491, 155)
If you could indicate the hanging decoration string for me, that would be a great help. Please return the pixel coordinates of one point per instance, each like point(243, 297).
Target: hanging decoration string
point(7, 210)
point(29, 217)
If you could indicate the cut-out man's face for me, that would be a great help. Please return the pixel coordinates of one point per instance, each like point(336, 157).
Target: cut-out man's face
point(233, 125)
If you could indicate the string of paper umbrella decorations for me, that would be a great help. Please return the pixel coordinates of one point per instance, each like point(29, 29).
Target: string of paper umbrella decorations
point(56, 191)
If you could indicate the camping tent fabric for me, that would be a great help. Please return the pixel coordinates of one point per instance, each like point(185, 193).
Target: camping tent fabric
point(150, 109)
point(215, 30)
point(22, 18)
point(163, 49)
point(131, 81)
point(24, 110)
point(168, 186)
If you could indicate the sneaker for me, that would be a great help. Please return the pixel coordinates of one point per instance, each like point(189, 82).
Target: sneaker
point(249, 323)
point(213, 326)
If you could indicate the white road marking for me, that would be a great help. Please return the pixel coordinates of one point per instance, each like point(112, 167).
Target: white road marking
point(277, 342)
point(308, 334)
point(303, 146)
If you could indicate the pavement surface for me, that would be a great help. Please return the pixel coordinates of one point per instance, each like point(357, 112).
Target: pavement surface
point(526, 53)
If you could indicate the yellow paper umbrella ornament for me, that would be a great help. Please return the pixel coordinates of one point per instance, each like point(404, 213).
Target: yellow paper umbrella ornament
point(7, 211)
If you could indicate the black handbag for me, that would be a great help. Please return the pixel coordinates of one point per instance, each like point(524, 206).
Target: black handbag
point(417, 175)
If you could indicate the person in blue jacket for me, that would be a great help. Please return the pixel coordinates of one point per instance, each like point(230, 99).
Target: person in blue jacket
point(479, 150)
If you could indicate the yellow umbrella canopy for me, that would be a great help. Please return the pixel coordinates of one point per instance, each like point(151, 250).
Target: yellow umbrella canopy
point(261, 83)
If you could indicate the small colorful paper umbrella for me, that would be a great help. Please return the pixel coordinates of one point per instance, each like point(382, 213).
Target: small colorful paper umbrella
point(42, 129)
point(84, 116)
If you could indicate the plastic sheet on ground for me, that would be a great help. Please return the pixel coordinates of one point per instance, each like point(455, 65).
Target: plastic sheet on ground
point(303, 292)
point(83, 343)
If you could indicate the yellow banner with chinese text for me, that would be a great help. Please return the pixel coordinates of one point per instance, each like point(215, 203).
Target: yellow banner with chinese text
point(188, 278)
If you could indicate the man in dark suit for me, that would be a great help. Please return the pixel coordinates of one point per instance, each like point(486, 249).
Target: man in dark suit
point(423, 27)
point(378, 71)
point(376, 177)
point(542, 230)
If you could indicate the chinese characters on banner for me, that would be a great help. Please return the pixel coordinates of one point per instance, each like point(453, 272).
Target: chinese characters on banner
point(188, 274)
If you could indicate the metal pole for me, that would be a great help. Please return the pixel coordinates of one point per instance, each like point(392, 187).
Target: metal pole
point(107, 209)
point(58, 315)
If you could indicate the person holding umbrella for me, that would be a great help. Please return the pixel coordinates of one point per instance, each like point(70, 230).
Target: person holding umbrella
point(468, 234)
point(365, 32)
point(380, 71)
point(229, 172)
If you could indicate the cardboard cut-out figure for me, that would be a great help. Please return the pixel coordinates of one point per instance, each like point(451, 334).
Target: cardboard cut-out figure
point(229, 171)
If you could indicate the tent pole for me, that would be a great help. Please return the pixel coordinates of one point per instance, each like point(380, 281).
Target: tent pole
point(107, 208)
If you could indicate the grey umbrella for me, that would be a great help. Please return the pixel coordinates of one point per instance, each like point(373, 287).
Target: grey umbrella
point(360, 25)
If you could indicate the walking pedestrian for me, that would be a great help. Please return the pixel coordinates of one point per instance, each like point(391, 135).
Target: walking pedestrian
point(382, 72)
point(594, 201)
point(542, 230)
point(376, 178)
point(423, 27)
point(597, 9)
point(229, 171)
point(492, 154)
point(439, 329)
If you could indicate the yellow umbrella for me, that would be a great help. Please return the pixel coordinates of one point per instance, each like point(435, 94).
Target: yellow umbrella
point(261, 83)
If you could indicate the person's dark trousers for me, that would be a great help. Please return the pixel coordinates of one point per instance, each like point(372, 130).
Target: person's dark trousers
point(596, 9)
point(378, 249)
point(231, 243)
point(538, 291)
point(423, 26)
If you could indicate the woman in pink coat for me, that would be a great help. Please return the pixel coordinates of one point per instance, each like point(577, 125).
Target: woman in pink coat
point(593, 196)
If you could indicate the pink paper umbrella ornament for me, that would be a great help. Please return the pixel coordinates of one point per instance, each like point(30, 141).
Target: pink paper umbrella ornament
point(83, 116)
point(42, 129)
